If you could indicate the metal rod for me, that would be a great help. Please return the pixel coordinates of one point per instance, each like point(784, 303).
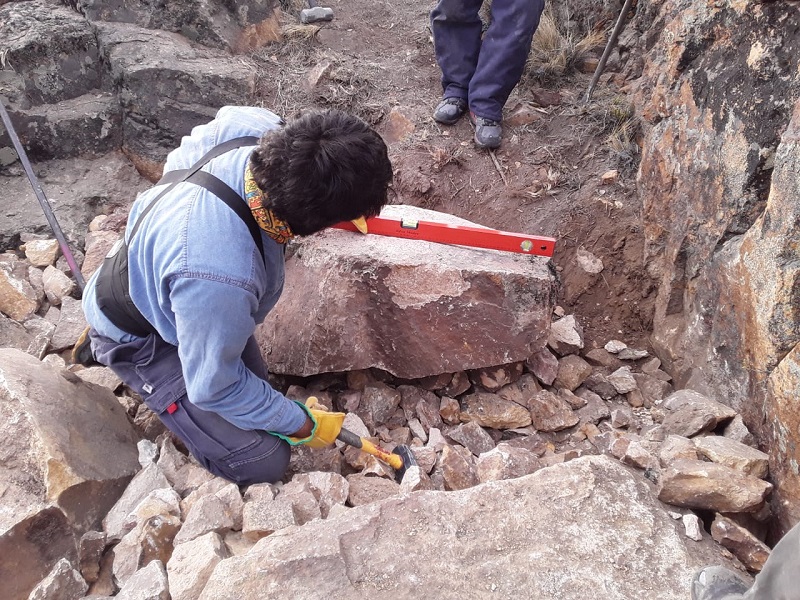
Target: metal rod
point(609, 46)
point(37, 189)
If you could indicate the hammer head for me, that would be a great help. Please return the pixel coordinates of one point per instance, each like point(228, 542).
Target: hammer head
point(318, 13)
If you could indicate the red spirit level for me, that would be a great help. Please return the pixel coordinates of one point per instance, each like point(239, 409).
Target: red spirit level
point(460, 235)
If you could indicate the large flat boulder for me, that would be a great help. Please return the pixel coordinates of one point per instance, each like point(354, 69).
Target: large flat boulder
point(227, 24)
point(166, 85)
point(588, 528)
point(409, 307)
point(50, 51)
point(68, 452)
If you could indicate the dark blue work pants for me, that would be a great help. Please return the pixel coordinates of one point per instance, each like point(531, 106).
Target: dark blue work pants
point(152, 368)
point(483, 72)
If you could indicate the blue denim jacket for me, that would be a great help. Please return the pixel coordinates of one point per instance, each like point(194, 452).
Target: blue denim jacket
point(196, 275)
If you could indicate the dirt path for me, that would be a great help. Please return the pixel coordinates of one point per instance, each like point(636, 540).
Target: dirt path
point(376, 59)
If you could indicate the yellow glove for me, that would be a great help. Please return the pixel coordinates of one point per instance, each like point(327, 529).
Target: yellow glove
point(327, 425)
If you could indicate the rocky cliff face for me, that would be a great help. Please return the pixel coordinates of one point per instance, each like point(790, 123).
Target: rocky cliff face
point(719, 96)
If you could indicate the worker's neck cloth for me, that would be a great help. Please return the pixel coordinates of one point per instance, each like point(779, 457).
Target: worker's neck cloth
point(275, 228)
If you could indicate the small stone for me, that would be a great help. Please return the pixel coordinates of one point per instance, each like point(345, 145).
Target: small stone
point(548, 412)
point(751, 551)
point(734, 454)
point(191, 565)
point(631, 354)
point(622, 380)
point(473, 437)
point(457, 468)
point(184, 474)
point(449, 409)
point(459, 384)
point(544, 365)
point(603, 358)
point(600, 385)
point(609, 177)
point(738, 431)
point(704, 485)
point(149, 583)
point(490, 410)
point(575, 402)
point(676, 447)
point(418, 430)
point(588, 261)
point(56, 285)
point(266, 516)
point(572, 372)
point(620, 418)
point(63, 581)
point(415, 479)
point(566, 336)
point(148, 452)
point(615, 346)
point(689, 420)
point(693, 527)
point(365, 490)
point(102, 376)
point(90, 553)
point(506, 462)
point(492, 379)
point(207, 514)
point(637, 455)
point(425, 457)
point(42, 253)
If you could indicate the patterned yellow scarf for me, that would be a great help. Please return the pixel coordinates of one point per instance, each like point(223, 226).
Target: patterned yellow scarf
point(275, 228)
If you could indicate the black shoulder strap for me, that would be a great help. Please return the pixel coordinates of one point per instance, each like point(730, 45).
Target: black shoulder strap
point(184, 174)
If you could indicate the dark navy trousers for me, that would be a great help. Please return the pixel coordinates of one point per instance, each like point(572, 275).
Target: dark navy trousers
point(483, 72)
point(152, 368)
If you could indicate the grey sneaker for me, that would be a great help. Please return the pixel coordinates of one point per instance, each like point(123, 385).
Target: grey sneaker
point(717, 583)
point(488, 133)
point(450, 110)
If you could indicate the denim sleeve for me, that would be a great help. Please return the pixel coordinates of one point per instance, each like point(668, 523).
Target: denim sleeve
point(214, 320)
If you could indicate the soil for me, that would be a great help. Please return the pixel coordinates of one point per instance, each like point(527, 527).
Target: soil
point(376, 59)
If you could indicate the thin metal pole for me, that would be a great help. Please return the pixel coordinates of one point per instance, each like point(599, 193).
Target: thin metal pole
point(609, 46)
point(37, 189)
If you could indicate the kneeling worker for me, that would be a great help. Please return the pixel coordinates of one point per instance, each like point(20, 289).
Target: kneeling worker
point(205, 264)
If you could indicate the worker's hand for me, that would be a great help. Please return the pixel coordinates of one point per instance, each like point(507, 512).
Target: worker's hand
point(326, 426)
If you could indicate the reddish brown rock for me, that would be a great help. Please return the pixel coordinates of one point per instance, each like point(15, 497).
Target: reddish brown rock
point(490, 410)
point(550, 413)
point(458, 469)
point(566, 336)
point(364, 489)
point(425, 308)
point(473, 437)
point(492, 379)
point(572, 372)
point(544, 365)
point(698, 484)
point(751, 551)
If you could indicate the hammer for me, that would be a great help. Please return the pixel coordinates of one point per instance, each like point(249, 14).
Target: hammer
point(315, 13)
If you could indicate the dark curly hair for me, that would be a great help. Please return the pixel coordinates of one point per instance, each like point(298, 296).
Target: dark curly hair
point(321, 169)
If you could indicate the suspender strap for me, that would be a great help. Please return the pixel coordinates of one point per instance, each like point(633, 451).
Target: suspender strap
point(112, 290)
point(184, 174)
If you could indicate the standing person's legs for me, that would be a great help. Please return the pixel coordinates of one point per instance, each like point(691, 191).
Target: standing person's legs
point(152, 368)
point(456, 29)
point(778, 579)
point(503, 54)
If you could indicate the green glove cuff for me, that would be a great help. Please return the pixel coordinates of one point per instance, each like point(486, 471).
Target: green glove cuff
point(293, 441)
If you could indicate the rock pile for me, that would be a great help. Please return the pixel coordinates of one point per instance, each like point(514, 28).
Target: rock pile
point(175, 521)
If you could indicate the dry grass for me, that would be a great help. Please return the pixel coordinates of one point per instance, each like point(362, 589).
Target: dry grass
point(556, 51)
point(442, 157)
